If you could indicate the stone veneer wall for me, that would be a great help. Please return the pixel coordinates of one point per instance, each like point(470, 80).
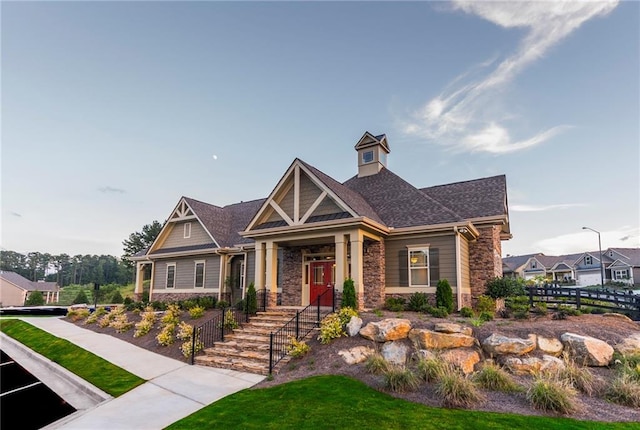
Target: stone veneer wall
point(485, 260)
point(373, 275)
point(291, 281)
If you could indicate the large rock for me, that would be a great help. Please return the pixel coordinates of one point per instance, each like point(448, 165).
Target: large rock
point(550, 345)
point(497, 344)
point(354, 325)
point(463, 359)
point(532, 365)
point(629, 345)
point(617, 316)
point(395, 352)
point(586, 350)
point(453, 328)
point(357, 354)
point(426, 339)
point(386, 330)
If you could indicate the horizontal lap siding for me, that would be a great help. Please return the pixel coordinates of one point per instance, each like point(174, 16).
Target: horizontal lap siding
point(176, 236)
point(464, 263)
point(185, 273)
point(396, 250)
point(251, 267)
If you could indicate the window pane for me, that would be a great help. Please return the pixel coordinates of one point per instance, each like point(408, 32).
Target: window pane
point(418, 258)
point(318, 275)
point(171, 273)
point(367, 157)
point(199, 275)
point(419, 277)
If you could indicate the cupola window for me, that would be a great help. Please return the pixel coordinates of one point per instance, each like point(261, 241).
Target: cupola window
point(367, 157)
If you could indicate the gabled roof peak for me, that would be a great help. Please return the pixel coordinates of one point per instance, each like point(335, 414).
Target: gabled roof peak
point(369, 139)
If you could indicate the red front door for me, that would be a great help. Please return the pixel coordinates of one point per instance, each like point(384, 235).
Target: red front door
point(321, 281)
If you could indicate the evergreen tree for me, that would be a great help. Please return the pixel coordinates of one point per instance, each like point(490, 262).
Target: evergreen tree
point(349, 294)
point(444, 295)
point(35, 299)
point(80, 298)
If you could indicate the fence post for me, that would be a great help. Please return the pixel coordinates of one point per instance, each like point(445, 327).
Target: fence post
point(333, 301)
point(578, 294)
point(318, 310)
point(297, 325)
point(224, 314)
point(270, 353)
point(530, 297)
point(193, 344)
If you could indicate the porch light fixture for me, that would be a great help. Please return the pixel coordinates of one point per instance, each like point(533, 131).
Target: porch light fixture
point(600, 250)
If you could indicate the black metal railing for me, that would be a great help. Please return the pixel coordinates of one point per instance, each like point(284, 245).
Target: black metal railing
point(608, 300)
point(261, 298)
point(214, 330)
point(298, 327)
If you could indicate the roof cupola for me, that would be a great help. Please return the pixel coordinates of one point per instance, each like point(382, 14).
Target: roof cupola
point(372, 154)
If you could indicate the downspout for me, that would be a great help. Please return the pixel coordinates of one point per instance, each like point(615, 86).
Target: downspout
point(458, 270)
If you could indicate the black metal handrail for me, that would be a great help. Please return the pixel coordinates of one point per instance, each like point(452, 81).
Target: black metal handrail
point(214, 330)
point(298, 327)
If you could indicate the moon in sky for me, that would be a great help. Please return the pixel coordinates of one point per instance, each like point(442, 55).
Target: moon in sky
point(215, 157)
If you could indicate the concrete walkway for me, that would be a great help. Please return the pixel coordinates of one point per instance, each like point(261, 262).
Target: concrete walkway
point(173, 391)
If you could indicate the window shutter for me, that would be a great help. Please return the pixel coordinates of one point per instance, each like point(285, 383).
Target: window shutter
point(434, 266)
point(403, 268)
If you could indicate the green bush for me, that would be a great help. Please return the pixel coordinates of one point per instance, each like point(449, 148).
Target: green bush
point(485, 316)
point(116, 298)
point(349, 294)
point(624, 390)
point(444, 295)
point(400, 379)
point(457, 391)
point(345, 315)
point(431, 369)
point(439, 312)
point(394, 304)
point(485, 303)
point(81, 297)
point(35, 299)
point(466, 312)
point(518, 306)
point(376, 364)
point(331, 328)
point(495, 378)
point(552, 395)
point(222, 304)
point(252, 299)
point(499, 288)
point(418, 302)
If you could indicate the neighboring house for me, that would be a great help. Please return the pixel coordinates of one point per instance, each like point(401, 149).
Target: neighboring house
point(313, 232)
point(15, 289)
point(513, 265)
point(618, 265)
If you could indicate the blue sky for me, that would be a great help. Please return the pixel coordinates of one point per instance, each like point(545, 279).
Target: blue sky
point(111, 111)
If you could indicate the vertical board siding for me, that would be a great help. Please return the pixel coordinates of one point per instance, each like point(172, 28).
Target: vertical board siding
point(176, 238)
point(441, 248)
point(185, 273)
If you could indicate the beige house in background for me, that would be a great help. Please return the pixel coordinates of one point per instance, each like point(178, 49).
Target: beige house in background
point(15, 289)
point(312, 232)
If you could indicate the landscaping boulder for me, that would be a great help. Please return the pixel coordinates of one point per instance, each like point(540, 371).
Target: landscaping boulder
point(453, 328)
point(617, 316)
point(532, 365)
point(395, 352)
point(386, 330)
point(426, 339)
point(463, 359)
point(354, 325)
point(357, 354)
point(497, 344)
point(550, 345)
point(586, 350)
point(629, 345)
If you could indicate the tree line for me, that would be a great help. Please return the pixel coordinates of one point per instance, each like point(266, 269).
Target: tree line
point(81, 269)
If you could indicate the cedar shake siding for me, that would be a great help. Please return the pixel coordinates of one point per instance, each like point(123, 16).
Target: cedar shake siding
point(185, 275)
point(176, 238)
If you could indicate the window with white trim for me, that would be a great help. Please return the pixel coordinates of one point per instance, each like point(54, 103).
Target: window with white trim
point(242, 275)
point(171, 275)
point(534, 265)
point(187, 230)
point(588, 260)
point(199, 274)
point(620, 274)
point(419, 267)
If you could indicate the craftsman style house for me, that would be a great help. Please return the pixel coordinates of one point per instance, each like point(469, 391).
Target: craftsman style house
point(313, 232)
point(15, 289)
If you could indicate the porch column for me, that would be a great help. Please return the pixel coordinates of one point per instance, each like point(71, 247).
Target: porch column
point(341, 262)
point(139, 280)
point(271, 281)
point(356, 266)
point(259, 275)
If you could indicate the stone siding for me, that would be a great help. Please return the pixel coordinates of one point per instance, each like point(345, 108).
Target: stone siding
point(291, 281)
point(485, 260)
point(374, 275)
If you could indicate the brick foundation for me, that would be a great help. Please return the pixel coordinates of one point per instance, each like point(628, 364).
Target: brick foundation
point(485, 260)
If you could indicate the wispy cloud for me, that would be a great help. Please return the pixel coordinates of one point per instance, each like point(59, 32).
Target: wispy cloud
point(16, 214)
point(468, 115)
point(583, 241)
point(109, 189)
point(542, 208)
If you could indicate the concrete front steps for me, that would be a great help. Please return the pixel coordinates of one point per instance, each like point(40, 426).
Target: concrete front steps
point(247, 348)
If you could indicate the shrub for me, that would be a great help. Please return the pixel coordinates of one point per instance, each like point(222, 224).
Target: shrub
point(252, 299)
point(467, 312)
point(120, 322)
point(222, 304)
point(431, 369)
point(501, 287)
point(569, 310)
point(187, 346)
point(485, 304)
point(171, 315)
point(376, 364)
point(35, 299)
point(579, 377)
point(418, 302)
point(560, 314)
point(624, 390)
point(116, 298)
point(349, 294)
point(439, 312)
point(399, 379)
point(185, 331)
point(345, 315)
point(394, 304)
point(444, 295)
point(196, 312)
point(552, 395)
point(297, 348)
point(95, 315)
point(81, 297)
point(330, 328)
point(166, 335)
point(147, 320)
point(485, 316)
point(230, 322)
point(495, 378)
point(77, 314)
point(456, 390)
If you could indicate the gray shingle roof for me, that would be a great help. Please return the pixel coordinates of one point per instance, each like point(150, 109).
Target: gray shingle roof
point(473, 199)
point(514, 261)
point(398, 203)
point(26, 284)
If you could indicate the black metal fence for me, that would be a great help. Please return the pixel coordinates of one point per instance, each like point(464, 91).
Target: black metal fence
point(298, 327)
point(605, 299)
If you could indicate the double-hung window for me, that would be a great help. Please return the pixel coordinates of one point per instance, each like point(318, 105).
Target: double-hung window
point(187, 230)
point(171, 275)
point(199, 274)
point(588, 260)
point(419, 266)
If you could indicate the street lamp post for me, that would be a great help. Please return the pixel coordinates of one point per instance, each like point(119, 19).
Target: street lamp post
point(600, 250)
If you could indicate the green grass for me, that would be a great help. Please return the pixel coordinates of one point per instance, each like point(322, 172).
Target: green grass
point(93, 369)
point(340, 402)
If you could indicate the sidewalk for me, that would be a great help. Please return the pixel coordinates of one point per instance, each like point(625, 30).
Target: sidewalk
point(173, 389)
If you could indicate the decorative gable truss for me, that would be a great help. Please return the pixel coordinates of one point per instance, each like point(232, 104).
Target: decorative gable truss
point(183, 228)
point(299, 198)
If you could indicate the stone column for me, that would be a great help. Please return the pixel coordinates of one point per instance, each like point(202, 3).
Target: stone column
point(374, 274)
point(485, 260)
point(356, 266)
